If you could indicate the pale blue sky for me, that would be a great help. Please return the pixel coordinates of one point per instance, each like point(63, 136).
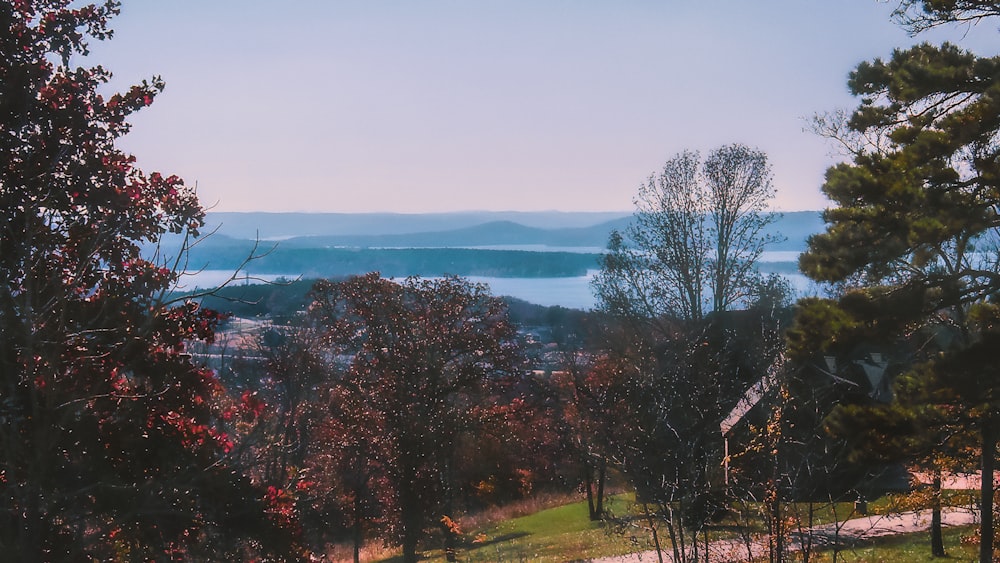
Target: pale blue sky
point(447, 105)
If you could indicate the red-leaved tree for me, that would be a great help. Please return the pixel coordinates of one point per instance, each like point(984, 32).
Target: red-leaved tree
point(112, 444)
point(417, 358)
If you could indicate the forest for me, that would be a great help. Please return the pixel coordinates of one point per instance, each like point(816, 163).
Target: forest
point(295, 419)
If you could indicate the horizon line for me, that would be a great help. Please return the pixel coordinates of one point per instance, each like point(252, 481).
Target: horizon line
point(457, 212)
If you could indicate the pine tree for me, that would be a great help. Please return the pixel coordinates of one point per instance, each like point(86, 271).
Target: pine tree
point(914, 225)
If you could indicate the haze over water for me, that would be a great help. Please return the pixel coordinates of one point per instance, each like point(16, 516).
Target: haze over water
point(572, 292)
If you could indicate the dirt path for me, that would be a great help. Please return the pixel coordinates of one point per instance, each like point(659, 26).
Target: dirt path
point(849, 531)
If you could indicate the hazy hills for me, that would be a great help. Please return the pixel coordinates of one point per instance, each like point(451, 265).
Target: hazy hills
point(279, 226)
point(455, 230)
point(494, 233)
point(503, 245)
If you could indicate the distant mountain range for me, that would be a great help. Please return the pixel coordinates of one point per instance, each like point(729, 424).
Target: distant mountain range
point(502, 245)
point(455, 230)
point(544, 258)
point(279, 226)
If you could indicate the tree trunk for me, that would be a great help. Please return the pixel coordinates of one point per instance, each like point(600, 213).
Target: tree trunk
point(450, 543)
point(671, 529)
point(986, 489)
point(678, 515)
point(410, 536)
point(937, 539)
point(656, 536)
point(807, 538)
point(777, 533)
point(31, 547)
point(601, 474)
point(358, 530)
point(695, 546)
point(772, 503)
point(588, 479)
point(411, 517)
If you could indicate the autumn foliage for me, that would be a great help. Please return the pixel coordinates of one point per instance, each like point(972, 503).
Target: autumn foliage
point(113, 443)
point(416, 362)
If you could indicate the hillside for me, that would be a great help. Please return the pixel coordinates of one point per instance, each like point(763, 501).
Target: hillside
point(457, 230)
point(318, 262)
point(495, 233)
point(487, 245)
point(280, 226)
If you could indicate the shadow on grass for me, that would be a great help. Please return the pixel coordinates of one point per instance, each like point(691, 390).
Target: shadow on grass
point(497, 539)
point(465, 547)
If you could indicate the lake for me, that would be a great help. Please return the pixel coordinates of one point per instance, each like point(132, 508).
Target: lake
point(570, 292)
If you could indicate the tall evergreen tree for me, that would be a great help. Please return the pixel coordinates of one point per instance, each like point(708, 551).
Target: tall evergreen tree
point(920, 15)
point(914, 228)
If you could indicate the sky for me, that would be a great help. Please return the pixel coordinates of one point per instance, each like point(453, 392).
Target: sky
point(506, 105)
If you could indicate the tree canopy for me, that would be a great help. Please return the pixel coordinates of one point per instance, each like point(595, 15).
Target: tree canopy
point(698, 232)
point(913, 233)
point(920, 15)
point(420, 358)
point(113, 442)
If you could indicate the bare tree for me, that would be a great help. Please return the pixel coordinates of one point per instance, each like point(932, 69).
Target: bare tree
point(699, 229)
point(671, 280)
point(739, 185)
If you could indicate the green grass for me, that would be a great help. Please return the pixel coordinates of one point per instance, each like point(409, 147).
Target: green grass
point(556, 534)
point(907, 548)
point(822, 513)
point(565, 533)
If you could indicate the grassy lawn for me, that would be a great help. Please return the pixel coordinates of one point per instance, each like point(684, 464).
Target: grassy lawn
point(908, 548)
point(565, 533)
